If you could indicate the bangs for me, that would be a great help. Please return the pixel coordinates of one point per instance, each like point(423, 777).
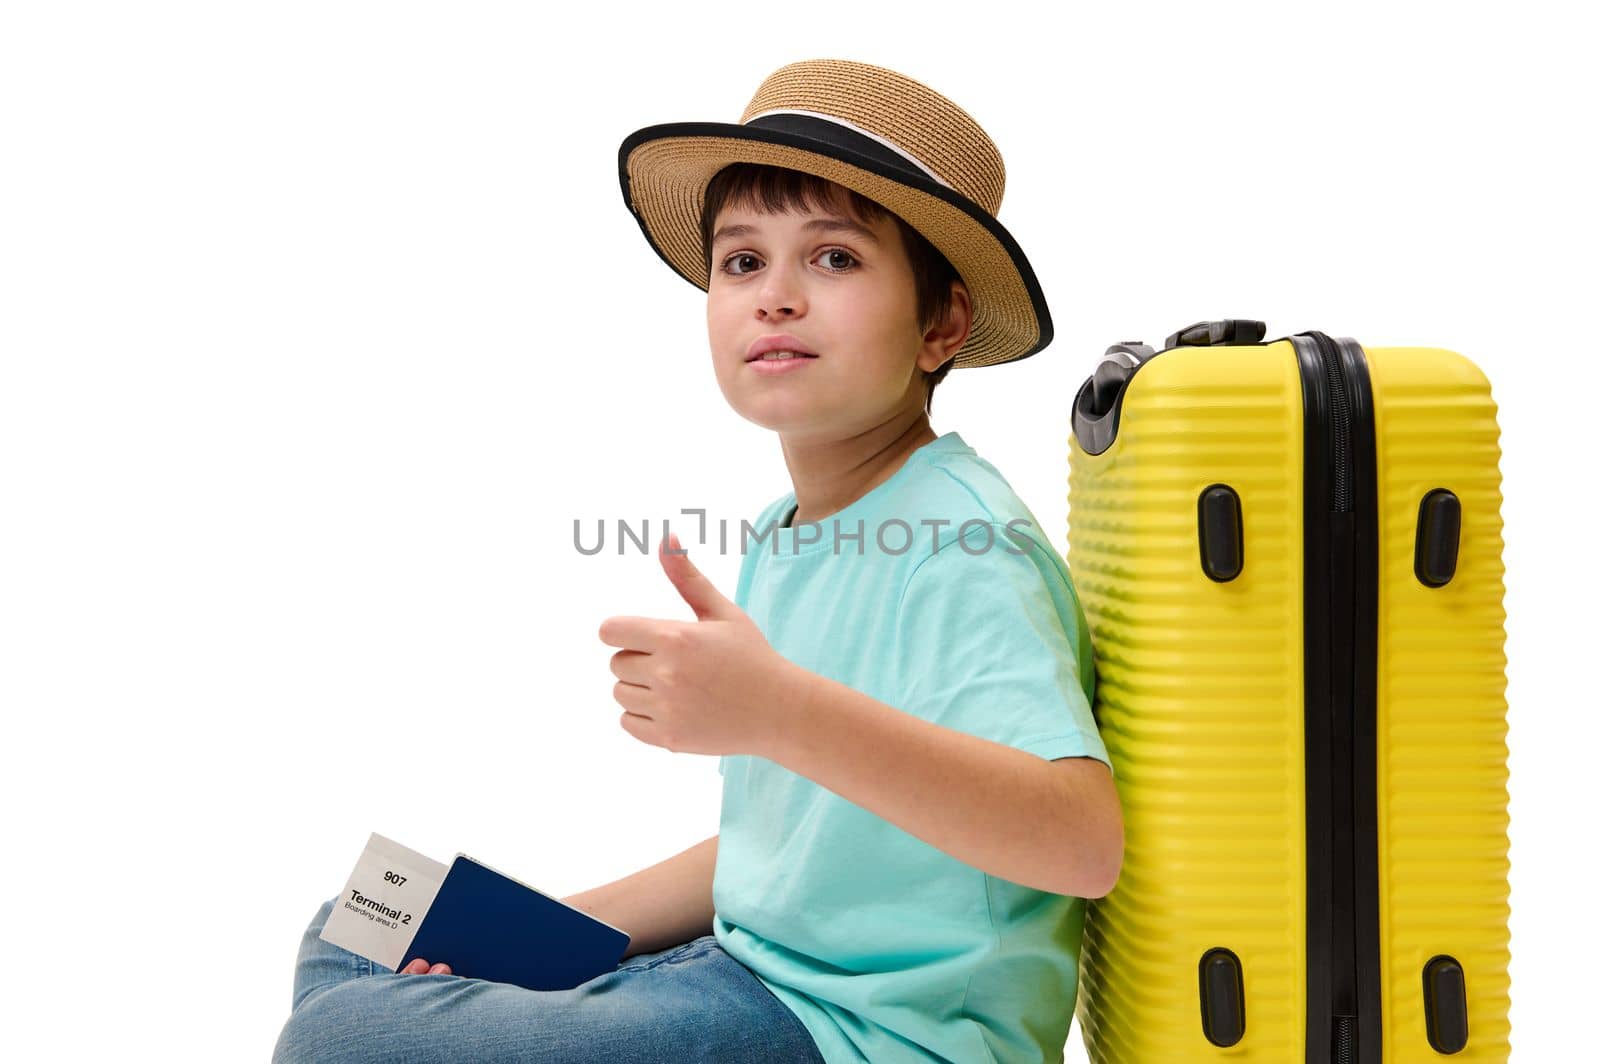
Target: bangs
point(779, 190)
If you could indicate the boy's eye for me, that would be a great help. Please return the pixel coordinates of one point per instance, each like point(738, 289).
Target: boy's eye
point(837, 260)
point(832, 263)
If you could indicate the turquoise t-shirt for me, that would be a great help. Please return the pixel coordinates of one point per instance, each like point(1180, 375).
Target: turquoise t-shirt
point(885, 947)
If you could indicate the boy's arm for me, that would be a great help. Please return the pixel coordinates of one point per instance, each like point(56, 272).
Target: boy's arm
point(662, 906)
point(1051, 825)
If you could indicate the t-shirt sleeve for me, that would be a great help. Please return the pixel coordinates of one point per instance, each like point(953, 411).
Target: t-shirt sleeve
point(993, 643)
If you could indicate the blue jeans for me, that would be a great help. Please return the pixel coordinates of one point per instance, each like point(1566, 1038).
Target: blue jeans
point(690, 1003)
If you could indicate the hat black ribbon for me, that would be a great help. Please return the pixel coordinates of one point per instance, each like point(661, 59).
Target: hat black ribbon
point(841, 137)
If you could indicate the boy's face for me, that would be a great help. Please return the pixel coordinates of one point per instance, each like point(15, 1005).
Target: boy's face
point(849, 296)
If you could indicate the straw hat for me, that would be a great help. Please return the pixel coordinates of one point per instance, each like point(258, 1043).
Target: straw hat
point(892, 139)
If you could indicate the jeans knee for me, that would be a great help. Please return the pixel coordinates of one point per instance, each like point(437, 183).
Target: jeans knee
point(322, 1027)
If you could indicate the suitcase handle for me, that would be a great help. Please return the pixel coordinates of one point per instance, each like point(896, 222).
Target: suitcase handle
point(1217, 333)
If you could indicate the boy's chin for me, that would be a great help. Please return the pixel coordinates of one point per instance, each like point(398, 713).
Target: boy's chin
point(790, 419)
point(785, 425)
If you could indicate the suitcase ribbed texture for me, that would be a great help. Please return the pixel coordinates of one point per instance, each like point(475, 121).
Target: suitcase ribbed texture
point(1442, 802)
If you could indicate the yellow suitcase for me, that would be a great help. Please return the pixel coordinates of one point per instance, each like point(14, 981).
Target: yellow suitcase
point(1289, 553)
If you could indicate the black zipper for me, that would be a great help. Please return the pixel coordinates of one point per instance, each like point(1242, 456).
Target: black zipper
point(1339, 421)
point(1344, 1010)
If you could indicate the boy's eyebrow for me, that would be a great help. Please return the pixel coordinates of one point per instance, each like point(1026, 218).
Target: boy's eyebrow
point(830, 224)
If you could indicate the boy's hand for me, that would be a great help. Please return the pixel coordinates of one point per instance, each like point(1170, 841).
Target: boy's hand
point(422, 967)
point(707, 686)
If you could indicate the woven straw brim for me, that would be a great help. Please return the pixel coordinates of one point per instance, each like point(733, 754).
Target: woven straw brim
point(664, 177)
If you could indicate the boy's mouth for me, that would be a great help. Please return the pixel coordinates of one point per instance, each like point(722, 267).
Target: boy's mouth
point(777, 349)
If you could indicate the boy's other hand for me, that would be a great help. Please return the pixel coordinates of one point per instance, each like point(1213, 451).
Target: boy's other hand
point(422, 967)
point(707, 686)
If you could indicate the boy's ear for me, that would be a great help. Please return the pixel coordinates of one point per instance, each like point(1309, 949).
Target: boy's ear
point(943, 341)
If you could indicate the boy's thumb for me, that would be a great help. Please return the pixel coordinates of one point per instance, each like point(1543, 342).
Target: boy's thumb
point(697, 590)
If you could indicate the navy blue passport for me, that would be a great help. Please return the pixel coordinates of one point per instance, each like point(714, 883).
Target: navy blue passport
point(485, 925)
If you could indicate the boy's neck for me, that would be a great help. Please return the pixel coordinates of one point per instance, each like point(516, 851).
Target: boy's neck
point(831, 474)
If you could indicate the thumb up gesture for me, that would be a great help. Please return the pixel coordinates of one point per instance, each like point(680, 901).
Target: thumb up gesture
point(712, 685)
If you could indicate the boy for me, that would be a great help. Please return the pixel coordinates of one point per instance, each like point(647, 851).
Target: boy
point(915, 797)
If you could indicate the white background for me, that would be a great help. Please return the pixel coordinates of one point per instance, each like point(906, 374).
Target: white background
point(322, 323)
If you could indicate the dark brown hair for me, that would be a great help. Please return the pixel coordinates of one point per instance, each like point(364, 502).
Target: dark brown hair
point(779, 190)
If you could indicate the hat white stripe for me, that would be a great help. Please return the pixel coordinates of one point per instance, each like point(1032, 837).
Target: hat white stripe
point(836, 120)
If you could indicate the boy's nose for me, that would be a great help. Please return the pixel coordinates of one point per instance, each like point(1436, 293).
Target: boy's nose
point(781, 306)
point(780, 296)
